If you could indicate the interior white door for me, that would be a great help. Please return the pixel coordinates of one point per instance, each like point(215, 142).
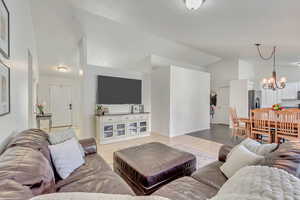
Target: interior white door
point(61, 105)
point(222, 108)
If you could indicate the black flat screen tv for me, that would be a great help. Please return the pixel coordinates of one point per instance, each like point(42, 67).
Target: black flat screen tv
point(114, 90)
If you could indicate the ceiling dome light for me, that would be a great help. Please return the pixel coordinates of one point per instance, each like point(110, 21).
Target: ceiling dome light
point(63, 68)
point(194, 4)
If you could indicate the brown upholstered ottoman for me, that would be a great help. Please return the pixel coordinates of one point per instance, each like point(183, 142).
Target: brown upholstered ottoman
point(148, 167)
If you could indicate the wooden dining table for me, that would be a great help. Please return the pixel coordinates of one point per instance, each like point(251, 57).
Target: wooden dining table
point(247, 121)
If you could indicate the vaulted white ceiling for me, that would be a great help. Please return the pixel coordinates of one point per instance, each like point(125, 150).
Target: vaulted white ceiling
point(57, 34)
point(222, 28)
point(226, 28)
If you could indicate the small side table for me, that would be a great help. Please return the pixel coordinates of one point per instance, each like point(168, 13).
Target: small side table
point(40, 117)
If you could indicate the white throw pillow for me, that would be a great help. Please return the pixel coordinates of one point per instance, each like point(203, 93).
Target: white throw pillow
point(61, 136)
point(256, 147)
point(66, 157)
point(240, 157)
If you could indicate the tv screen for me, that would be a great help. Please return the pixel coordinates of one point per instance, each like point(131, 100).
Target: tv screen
point(113, 90)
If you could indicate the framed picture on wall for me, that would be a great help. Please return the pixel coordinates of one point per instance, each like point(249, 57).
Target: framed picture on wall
point(4, 30)
point(4, 89)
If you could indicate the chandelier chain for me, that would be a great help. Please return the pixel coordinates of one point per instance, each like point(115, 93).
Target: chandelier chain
point(266, 58)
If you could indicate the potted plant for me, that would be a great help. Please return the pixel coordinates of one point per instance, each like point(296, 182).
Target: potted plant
point(40, 107)
point(277, 107)
point(99, 110)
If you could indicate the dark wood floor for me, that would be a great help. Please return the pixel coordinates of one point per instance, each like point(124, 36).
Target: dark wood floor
point(218, 133)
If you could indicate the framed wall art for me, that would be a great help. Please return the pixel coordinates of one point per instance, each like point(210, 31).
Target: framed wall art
point(4, 89)
point(4, 30)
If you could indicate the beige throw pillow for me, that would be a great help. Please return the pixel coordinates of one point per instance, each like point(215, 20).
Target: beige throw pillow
point(240, 157)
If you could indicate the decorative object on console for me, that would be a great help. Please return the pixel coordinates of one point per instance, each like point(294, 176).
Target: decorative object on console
point(41, 107)
point(4, 30)
point(4, 89)
point(136, 108)
point(141, 108)
point(99, 110)
point(272, 83)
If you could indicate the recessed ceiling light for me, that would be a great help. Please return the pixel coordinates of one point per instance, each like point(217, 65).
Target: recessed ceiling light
point(194, 4)
point(63, 68)
point(80, 72)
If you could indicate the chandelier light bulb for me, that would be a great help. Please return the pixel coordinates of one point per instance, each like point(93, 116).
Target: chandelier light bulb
point(283, 80)
point(265, 81)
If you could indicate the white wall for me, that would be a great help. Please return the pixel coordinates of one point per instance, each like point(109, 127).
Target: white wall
point(22, 38)
point(190, 90)
point(160, 100)
point(223, 72)
point(246, 70)
point(239, 96)
point(44, 93)
point(180, 100)
point(90, 89)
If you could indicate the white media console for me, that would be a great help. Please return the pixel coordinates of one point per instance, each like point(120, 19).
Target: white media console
point(118, 127)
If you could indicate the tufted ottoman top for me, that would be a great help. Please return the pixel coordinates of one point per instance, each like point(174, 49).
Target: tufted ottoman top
point(147, 167)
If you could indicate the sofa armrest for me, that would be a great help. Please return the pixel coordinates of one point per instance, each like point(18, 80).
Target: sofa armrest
point(224, 151)
point(89, 146)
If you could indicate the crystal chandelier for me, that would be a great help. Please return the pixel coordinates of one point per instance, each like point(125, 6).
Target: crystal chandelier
point(272, 83)
point(194, 4)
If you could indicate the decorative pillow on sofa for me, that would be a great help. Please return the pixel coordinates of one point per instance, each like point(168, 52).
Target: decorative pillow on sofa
point(66, 157)
point(240, 157)
point(61, 136)
point(256, 147)
point(94, 196)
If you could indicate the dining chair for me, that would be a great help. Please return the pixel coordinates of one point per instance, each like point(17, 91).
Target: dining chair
point(260, 123)
point(287, 126)
point(238, 128)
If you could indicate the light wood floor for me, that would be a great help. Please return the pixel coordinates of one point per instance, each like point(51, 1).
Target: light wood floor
point(209, 147)
point(203, 145)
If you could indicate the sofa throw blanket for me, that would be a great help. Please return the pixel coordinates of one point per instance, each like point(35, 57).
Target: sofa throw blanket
point(260, 183)
point(93, 196)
